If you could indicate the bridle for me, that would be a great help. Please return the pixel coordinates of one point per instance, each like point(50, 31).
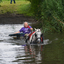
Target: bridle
point(38, 35)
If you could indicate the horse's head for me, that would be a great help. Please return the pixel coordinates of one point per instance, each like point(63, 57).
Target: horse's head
point(38, 35)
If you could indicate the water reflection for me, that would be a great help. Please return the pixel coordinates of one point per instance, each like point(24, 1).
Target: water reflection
point(30, 55)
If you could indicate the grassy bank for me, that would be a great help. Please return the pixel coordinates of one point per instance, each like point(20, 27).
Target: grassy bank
point(21, 7)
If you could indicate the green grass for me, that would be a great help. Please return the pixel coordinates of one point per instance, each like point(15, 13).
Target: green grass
point(21, 7)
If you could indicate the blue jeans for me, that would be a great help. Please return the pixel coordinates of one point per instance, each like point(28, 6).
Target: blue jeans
point(12, 0)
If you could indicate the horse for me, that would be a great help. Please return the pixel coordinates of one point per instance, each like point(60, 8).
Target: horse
point(35, 37)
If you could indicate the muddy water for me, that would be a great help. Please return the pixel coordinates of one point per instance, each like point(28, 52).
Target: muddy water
point(16, 52)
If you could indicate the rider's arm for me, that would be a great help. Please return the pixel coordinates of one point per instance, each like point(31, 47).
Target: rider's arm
point(17, 32)
point(30, 28)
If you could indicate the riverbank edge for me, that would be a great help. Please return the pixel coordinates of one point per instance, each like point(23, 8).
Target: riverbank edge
point(15, 19)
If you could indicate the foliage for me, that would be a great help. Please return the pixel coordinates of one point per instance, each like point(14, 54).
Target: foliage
point(51, 12)
point(36, 8)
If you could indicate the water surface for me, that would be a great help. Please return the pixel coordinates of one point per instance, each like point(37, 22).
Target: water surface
point(14, 51)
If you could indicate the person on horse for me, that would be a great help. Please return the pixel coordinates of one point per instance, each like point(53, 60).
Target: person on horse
point(31, 35)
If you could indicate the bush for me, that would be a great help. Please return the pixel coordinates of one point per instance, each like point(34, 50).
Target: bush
point(52, 13)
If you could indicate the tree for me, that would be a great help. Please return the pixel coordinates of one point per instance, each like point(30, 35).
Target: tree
point(49, 11)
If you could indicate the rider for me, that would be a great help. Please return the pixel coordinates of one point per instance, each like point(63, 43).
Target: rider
point(26, 29)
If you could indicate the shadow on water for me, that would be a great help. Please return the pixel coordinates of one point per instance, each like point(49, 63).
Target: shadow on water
point(16, 52)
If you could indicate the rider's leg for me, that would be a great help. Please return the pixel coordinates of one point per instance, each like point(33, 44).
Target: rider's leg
point(26, 37)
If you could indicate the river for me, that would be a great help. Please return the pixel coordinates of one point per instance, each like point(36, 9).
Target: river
point(14, 51)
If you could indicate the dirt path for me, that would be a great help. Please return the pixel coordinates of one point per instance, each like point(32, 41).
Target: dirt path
point(15, 19)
